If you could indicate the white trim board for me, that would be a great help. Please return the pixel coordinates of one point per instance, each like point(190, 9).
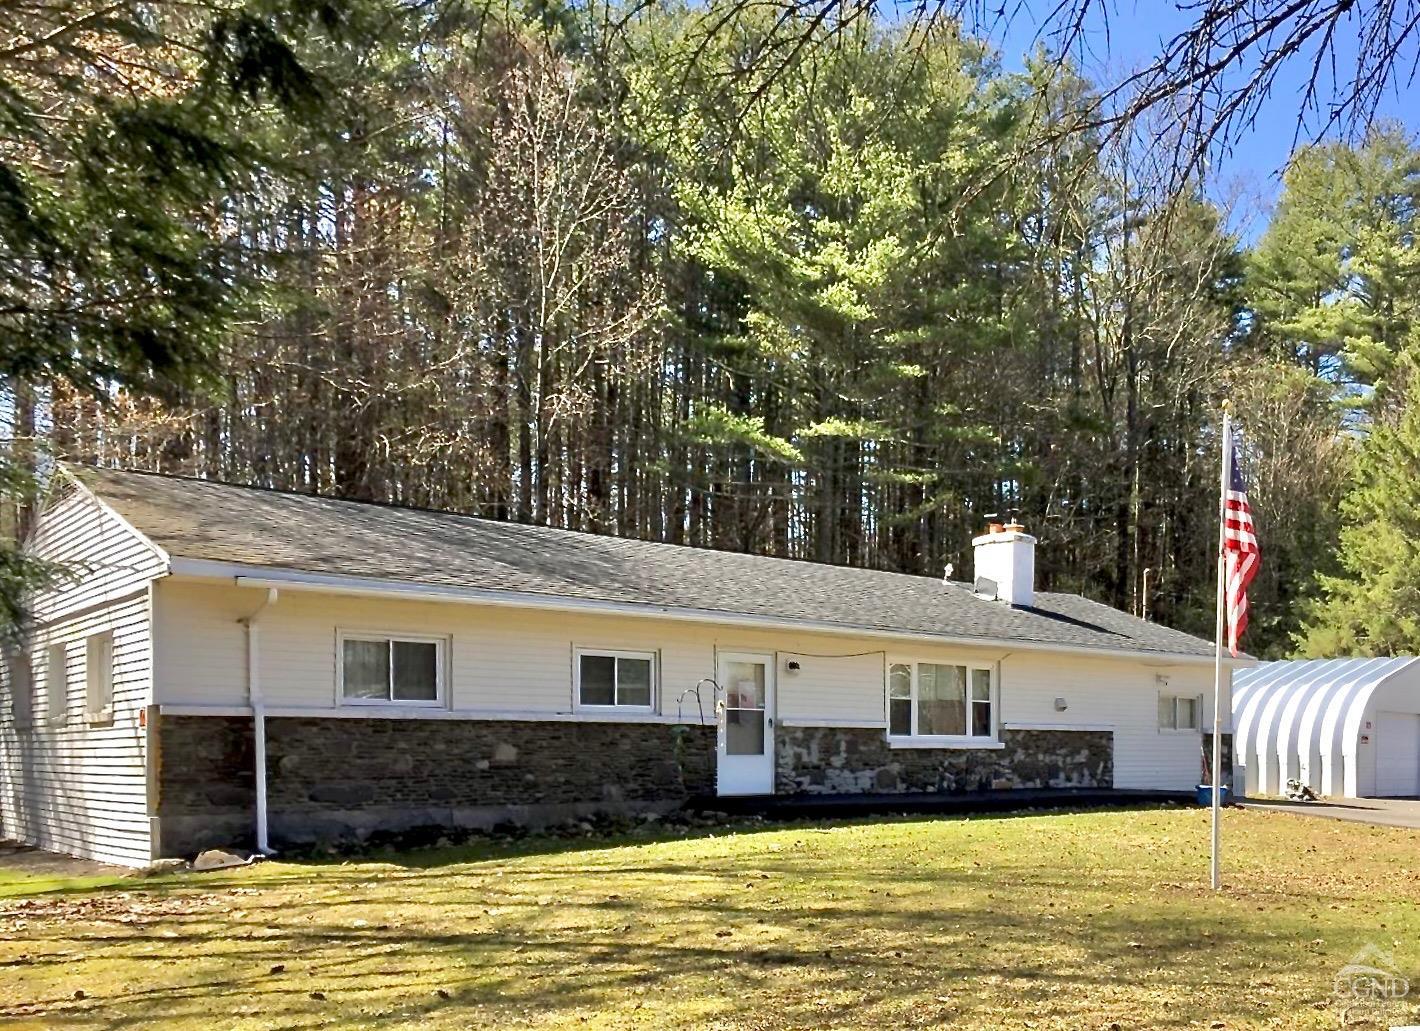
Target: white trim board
point(289, 579)
point(414, 712)
point(809, 723)
point(73, 612)
point(395, 712)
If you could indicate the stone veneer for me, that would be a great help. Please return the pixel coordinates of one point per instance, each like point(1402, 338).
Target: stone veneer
point(341, 778)
point(851, 760)
point(333, 779)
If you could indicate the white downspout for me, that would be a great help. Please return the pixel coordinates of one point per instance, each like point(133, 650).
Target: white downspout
point(258, 716)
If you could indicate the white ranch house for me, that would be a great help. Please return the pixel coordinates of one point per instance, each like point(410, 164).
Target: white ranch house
point(235, 664)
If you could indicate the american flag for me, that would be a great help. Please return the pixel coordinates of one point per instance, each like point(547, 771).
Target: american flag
point(1240, 550)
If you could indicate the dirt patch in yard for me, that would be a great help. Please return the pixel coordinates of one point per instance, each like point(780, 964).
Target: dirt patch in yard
point(28, 861)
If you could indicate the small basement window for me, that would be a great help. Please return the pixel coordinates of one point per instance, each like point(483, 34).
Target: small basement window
point(941, 703)
point(1180, 712)
point(376, 669)
point(56, 684)
point(615, 680)
point(98, 677)
point(22, 687)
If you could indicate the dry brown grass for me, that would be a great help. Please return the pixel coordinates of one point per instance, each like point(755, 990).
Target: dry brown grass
point(1050, 921)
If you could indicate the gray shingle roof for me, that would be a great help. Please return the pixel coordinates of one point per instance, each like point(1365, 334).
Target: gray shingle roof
point(206, 520)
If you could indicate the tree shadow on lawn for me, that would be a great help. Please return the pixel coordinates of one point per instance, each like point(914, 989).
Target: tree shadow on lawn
point(437, 865)
point(502, 973)
point(481, 849)
point(877, 955)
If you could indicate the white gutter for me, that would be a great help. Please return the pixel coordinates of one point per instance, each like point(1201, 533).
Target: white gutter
point(258, 716)
point(285, 579)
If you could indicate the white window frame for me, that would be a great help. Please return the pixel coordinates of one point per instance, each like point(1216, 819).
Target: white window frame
point(614, 653)
point(20, 678)
point(441, 677)
point(967, 740)
point(1197, 701)
point(56, 702)
point(98, 677)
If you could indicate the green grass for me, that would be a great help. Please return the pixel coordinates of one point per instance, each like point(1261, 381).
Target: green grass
point(1048, 922)
point(15, 883)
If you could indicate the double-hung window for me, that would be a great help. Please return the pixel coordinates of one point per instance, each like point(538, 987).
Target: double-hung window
point(1180, 712)
point(941, 702)
point(615, 680)
point(379, 668)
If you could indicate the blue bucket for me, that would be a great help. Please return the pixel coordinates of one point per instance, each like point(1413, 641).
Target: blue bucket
point(1205, 795)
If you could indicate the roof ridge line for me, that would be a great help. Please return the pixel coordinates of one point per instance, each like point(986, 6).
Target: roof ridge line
point(397, 506)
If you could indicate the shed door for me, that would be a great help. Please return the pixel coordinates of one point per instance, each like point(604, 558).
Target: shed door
point(1397, 754)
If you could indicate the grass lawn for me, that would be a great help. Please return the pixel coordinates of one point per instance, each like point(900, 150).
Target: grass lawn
point(1091, 920)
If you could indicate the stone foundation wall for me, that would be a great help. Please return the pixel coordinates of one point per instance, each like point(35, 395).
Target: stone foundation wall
point(850, 760)
point(338, 778)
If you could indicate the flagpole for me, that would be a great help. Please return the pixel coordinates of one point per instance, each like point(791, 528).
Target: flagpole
point(1223, 484)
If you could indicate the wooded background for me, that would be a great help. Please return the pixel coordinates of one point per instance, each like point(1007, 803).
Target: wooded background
point(527, 268)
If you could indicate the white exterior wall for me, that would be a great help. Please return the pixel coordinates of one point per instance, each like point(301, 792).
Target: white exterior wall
point(1398, 694)
point(1121, 695)
point(517, 663)
point(67, 784)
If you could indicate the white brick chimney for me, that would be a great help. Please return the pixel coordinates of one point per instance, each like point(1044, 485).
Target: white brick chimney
point(1005, 557)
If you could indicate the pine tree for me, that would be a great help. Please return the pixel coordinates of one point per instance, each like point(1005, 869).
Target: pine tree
point(125, 130)
point(1334, 280)
point(1373, 607)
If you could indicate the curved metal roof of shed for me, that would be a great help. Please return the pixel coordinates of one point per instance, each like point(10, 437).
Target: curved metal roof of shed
point(1307, 710)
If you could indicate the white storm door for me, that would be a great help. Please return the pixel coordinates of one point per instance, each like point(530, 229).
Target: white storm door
point(1397, 750)
point(745, 743)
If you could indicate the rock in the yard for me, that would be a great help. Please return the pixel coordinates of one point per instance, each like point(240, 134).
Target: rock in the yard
point(218, 859)
point(159, 866)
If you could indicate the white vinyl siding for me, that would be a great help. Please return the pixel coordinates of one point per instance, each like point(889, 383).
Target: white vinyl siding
point(108, 559)
point(69, 785)
point(500, 660)
point(1121, 696)
point(79, 787)
point(504, 661)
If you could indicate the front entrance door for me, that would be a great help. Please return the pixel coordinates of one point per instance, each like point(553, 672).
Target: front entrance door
point(746, 738)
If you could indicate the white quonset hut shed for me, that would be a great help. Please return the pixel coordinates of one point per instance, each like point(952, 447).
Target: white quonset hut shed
point(1344, 727)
